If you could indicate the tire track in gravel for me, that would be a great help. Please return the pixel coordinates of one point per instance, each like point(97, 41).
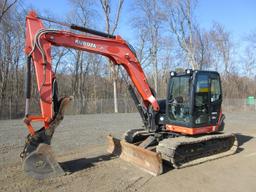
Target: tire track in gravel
point(97, 175)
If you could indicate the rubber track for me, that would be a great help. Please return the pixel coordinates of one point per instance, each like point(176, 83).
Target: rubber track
point(167, 148)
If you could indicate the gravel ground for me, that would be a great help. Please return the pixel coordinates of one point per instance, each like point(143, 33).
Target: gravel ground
point(80, 143)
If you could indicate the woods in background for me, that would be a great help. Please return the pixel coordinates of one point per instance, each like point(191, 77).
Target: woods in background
point(168, 37)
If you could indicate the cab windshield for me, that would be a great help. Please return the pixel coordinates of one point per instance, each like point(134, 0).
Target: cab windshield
point(178, 100)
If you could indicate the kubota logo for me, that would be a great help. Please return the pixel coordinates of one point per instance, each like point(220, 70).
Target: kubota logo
point(85, 43)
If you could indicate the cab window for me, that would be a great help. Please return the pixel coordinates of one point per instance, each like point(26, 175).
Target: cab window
point(202, 99)
point(178, 101)
point(215, 90)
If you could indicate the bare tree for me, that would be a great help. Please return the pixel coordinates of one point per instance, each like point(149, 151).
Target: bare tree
point(148, 21)
point(251, 38)
point(223, 46)
point(143, 52)
point(249, 62)
point(81, 13)
point(5, 6)
point(110, 28)
point(249, 58)
point(179, 15)
point(11, 53)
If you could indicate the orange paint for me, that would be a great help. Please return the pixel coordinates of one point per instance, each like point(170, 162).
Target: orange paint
point(191, 131)
point(115, 49)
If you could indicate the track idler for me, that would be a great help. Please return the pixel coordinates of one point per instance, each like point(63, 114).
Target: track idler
point(38, 158)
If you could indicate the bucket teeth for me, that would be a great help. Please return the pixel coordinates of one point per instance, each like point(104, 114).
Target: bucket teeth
point(41, 164)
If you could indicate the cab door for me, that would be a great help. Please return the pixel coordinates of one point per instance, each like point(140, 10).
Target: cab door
point(201, 105)
point(207, 98)
point(215, 97)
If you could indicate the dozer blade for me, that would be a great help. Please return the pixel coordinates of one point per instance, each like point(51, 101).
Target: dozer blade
point(145, 159)
point(41, 163)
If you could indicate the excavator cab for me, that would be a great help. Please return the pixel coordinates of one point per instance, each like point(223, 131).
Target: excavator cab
point(194, 99)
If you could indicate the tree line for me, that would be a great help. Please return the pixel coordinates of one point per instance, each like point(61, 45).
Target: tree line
point(168, 37)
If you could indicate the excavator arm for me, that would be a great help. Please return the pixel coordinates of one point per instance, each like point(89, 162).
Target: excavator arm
point(39, 41)
point(38, 159)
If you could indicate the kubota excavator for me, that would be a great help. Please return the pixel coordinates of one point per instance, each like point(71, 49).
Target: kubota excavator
point(184, 129)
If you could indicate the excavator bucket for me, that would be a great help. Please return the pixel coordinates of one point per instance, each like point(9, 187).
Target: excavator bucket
point(41, 163)
point(38, 158)
point(145, 159)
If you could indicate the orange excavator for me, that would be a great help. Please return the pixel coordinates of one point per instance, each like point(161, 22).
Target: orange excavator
point(183, 129)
